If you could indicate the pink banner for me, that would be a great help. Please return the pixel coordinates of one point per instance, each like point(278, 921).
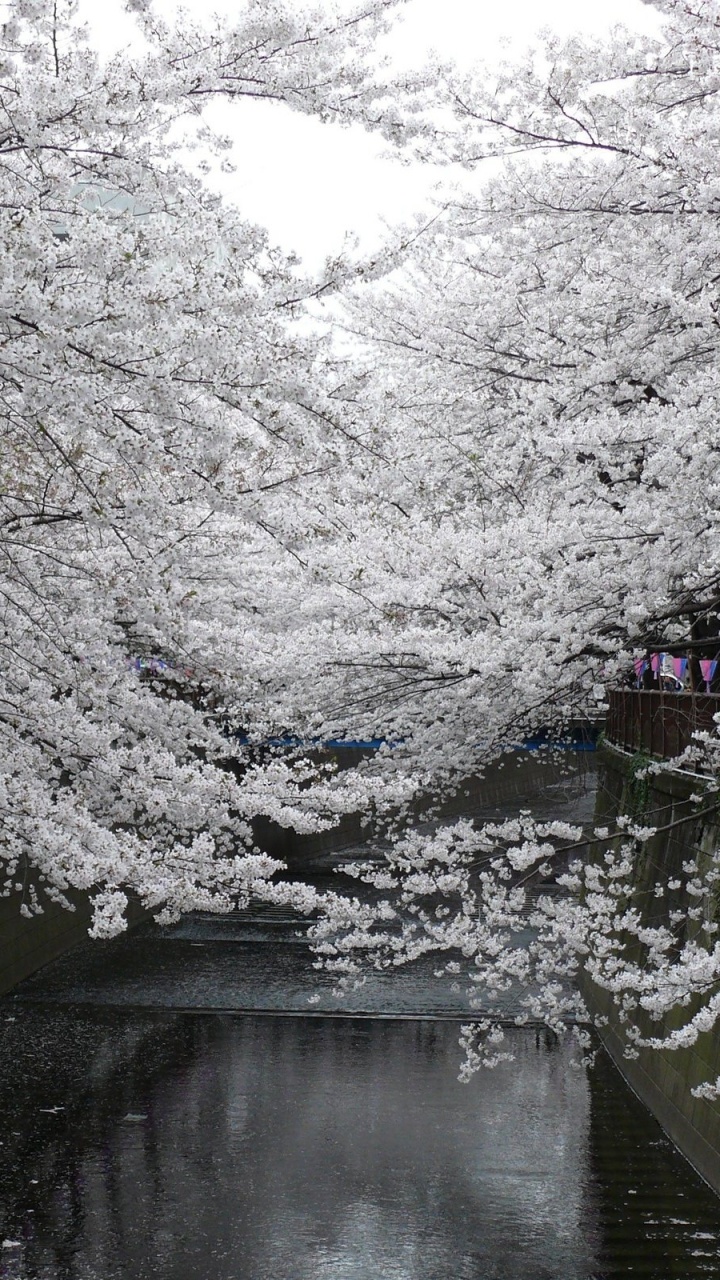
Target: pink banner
point(656, 662)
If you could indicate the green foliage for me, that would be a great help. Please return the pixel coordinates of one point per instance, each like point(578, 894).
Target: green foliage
point(638, 784)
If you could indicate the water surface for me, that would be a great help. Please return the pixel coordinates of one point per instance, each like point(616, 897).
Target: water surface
point(185, 1146)
point(172, 1107)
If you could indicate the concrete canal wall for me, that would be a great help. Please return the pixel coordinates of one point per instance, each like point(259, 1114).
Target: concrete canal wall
point(29, 942)
point(26, 944)
point(559, 780)
point(663, 1080)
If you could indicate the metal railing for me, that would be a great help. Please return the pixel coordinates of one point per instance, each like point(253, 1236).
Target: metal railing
point(659, 724)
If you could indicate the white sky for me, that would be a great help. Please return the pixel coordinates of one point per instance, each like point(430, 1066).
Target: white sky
point(311, 184)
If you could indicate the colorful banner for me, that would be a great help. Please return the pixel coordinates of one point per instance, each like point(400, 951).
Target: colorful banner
point(656, 661)
point(680, 667)
point(149, 664)
point(708, 667)
point(640, 666)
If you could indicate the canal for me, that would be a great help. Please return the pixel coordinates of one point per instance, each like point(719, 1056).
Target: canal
point(173, 1108)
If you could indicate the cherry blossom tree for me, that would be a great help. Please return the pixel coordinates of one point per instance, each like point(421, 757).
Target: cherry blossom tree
point(544, 491)
point(446, 532)
point(163, 418)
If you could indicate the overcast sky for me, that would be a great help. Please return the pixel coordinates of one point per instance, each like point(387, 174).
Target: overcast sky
point(312, 184)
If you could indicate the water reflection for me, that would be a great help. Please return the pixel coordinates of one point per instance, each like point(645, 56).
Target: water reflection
point(277, 1148)
point(248, 1148)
